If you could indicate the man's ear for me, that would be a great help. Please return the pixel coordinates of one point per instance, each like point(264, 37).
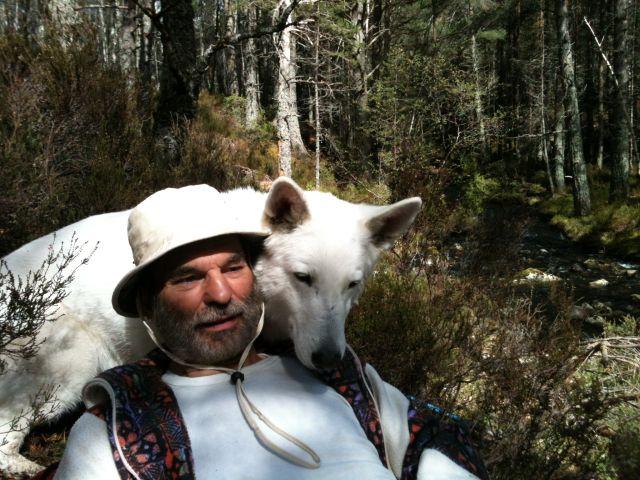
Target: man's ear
point(390, 222)
point(285, 207)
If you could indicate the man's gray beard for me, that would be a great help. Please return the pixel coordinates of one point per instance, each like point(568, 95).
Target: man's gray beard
point(179, 334)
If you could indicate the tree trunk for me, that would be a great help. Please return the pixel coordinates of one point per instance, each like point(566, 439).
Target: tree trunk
point(601, 113)
point(179, 82)
point(581, 195)
point(231, 68)
point(559, 147)
point(544, 151)
point(316, 95)
point(620, 154)
point(287, 116)
point(358, 80)
point(251, 82)
point(478, 94)
point(128, 41)
point(633, 150)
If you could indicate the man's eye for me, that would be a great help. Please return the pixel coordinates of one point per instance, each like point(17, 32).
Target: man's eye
point(303, 277)
point(185, 280)
point(236, 268)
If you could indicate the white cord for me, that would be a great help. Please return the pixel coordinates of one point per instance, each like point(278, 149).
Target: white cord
point(248, 409)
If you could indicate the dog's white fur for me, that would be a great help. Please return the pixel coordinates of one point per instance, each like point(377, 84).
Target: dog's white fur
point(313, 269)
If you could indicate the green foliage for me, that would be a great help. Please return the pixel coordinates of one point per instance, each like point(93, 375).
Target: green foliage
point(219, 151)
point(423, 106)
point(492, 35)
point(478, 190)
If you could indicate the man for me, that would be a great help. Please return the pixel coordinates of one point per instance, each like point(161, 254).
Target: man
point(207, 404)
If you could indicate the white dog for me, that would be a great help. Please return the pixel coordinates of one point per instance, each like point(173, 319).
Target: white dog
point(312, 271)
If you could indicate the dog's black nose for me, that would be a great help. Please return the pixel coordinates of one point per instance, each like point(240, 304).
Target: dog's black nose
point(326, 359)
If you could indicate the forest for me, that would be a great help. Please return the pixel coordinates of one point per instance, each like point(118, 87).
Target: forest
point(513, 302)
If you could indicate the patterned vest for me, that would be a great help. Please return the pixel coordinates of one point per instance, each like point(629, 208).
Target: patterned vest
point(155, 443)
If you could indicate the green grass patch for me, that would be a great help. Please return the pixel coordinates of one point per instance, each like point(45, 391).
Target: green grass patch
point(614, 227)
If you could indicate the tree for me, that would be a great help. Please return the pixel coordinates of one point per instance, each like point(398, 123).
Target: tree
point(620, 160)
point(581, 194)
point(289, 136)
point(179, 80)
point(251, 82)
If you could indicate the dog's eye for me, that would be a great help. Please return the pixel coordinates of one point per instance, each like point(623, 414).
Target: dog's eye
point(303, 277)
point(353, 284)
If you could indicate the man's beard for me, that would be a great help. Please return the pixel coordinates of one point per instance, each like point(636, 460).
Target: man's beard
point(180, 334)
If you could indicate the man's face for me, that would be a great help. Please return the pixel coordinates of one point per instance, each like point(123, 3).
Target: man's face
point(206, 308)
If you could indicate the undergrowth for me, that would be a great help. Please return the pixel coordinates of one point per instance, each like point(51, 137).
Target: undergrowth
point(611, 227)
point(75, 140)
point(529, 381)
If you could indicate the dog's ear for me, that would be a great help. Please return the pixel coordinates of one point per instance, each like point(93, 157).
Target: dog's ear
point(390, 222)
point(285, 207)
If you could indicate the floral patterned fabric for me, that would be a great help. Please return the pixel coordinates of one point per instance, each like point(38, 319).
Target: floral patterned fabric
point(428, 427)
point(155, 442)
point(445, 433)
point(349, 381)
point(150, 428)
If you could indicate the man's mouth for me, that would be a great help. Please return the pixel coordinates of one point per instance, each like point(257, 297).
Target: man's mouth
point(223, 323)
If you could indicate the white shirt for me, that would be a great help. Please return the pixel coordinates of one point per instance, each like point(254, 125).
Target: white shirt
point(223, 445)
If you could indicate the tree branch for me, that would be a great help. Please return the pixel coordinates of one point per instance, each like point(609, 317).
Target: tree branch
point(617, 85)
point(230, 40)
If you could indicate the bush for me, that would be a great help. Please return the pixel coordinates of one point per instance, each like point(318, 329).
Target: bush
point(75, 139)
point(520, 372)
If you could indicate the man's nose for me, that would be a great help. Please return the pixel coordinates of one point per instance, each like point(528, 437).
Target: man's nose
point(217, 289)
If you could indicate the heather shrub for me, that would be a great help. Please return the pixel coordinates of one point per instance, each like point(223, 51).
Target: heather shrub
point(518, 368)
point(75, 139)
point(71, 136)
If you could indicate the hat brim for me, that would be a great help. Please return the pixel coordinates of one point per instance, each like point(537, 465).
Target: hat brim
point(124, 294)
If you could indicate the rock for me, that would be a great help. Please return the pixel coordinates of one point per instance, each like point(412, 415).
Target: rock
point(628, 266)
point(630, 273)
point(599, 283)
point(588, 307)
point(457, 247)
point(636, 297)
point(544, 250)
point(576, 267)
point(595, 321)
point(533, 275)
point(602, 308)
point(580, 313)
point(591, 263)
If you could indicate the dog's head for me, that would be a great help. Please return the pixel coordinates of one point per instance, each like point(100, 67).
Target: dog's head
point(317, 259)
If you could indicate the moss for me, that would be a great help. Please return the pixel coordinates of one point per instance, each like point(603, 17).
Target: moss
point(558, 204)
point(575, 228)
point(480, 188)
point(615, 227)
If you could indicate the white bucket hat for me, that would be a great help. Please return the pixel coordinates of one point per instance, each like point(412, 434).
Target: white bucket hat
point(170, 219)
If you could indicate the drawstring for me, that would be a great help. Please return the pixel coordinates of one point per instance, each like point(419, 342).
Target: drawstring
point(248, 409)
